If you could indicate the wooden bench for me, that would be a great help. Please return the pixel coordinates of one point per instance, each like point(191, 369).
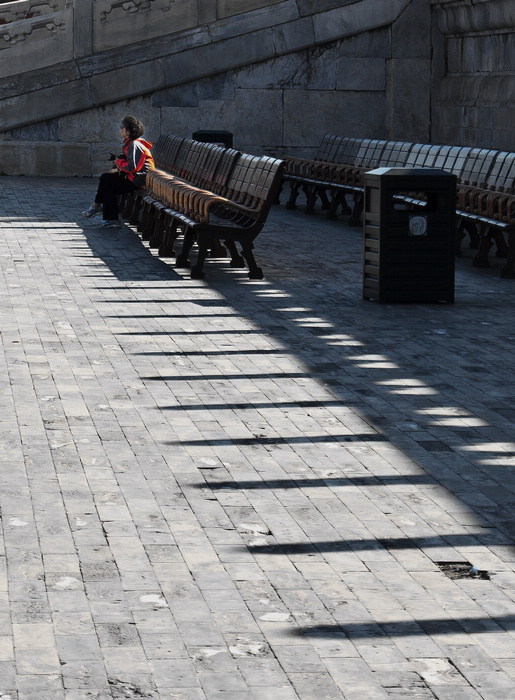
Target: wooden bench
point(206, 193)
point(485, 198)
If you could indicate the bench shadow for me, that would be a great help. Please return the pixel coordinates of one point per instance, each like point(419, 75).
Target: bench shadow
point(403, 628)
point(379, 544)
point(126, 259)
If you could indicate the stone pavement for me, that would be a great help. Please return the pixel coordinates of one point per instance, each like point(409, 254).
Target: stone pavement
point(247, 490)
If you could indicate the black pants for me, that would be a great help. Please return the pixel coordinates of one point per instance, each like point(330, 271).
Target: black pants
point(109, 187)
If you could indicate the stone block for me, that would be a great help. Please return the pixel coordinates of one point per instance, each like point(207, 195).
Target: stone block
point(217, 58)
point(310, 7)
point(308, 70)
point(409, 99)
point(181, 96)
point(346, 113)
point(44, 131)
point(32, 158)
point(247, 23)
point(115, 22)
point(219, 87)
point(505, 139)
point(481, 16)
point(39, 105)
point(479, 118)
point(228, 8)
point(207, 11)
point(362, 16)
point(504, 119)
point(373, 44)
point(82, 34)
point(294, 36)
point(126, 82)
point(361, 74)
point(28, 81)
point(411, 35)
point(93, 126)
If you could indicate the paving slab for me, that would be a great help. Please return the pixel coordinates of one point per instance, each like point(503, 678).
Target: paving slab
point(247, 488)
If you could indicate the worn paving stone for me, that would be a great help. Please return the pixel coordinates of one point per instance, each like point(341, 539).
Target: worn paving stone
point(244, 487)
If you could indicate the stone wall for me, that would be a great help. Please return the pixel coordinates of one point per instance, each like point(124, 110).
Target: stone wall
point(277, 73)
point(473, 90)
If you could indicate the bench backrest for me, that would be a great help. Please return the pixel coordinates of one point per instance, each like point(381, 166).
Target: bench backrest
point(158, 150)
point(208, 165)
point(192, 159)
point(374, 155)
point(454, 159)
point(165, 150)
point(395, 153)
point(348, 151)
point(328, 148)
point(502, 173)
point(254, 183)
point(369, 153)
point(417, 155)
point(223, 171)
point(442, 157)
point(477, 165)
point(431, 156)
point(177, 163)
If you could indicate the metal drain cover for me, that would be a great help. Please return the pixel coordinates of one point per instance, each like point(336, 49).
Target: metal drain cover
point(462, 569)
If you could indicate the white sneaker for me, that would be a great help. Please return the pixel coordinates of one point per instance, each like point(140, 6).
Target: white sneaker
point(92, 211)
point(110, 223)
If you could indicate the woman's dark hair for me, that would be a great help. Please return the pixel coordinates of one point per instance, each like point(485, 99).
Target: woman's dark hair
point(134, 127)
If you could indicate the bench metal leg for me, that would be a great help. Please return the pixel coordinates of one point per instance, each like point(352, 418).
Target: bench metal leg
point(197, 271)
point(255, 272)
point(135, 211)
point(338, 200)
point(324, 199)
point(217, 250)
point(508, 271)
point(500, 242)
point(294, 193)
point(277, 199)
point(357, 210)
point(485, 243)
point(152, 221)
point(155, 232)
point(311, 198)
point(170, 233)
point(189, 240)
point(147, 207)
point(466, 226)
point(236, 259)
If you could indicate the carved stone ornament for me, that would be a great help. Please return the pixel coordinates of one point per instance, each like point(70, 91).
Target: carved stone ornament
point(30, 10)
point(133, 7)
point(19, 33)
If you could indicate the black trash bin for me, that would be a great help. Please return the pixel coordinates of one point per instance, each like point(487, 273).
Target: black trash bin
point(223, 138)
point(409, 223)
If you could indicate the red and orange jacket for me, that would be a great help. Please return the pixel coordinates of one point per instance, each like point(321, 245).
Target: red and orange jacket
point(137, 160)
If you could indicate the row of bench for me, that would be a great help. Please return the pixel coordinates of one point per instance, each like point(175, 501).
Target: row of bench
point(485, 200)
point(205, 192)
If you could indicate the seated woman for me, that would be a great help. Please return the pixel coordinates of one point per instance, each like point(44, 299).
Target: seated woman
point(128, 174)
